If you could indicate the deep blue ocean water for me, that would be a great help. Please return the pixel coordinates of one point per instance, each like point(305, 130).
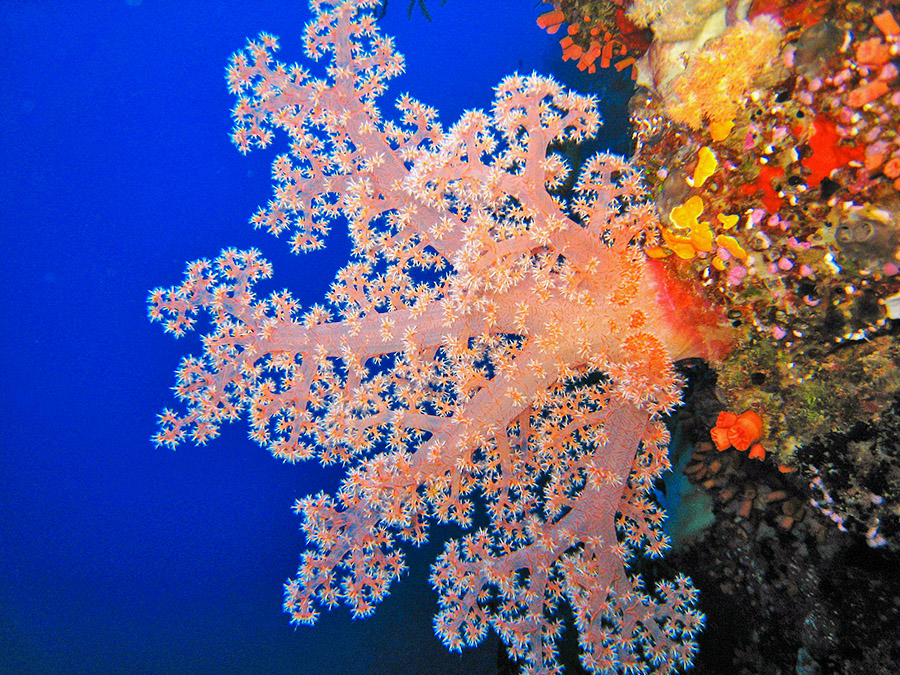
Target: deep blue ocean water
point(115, 169)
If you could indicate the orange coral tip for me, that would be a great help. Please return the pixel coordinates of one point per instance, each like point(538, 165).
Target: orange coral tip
point(751, 417)
point(886, 23)
point(784, 468)
point(892, 168)
point(720, 438)
point(746, 430)
point(726, 419)
point(551, 21)
point(758, 452)
point(867, 93)
point(624, 63)
point(873, 52)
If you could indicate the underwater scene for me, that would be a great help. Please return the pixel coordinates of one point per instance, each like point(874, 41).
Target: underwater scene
point(450, 336)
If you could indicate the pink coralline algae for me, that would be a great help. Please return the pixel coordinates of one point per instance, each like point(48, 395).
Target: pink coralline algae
point(492, 356)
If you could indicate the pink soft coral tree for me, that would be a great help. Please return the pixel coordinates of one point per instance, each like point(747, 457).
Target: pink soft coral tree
point(493, 356)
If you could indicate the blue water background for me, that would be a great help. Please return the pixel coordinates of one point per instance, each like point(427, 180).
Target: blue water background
point(116, 169)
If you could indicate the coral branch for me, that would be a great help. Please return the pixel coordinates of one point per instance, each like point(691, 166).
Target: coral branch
point(492, 353)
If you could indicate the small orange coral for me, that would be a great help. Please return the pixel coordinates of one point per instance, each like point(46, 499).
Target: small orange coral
point(605, 39)
point(867, 93)
point(739, 431)
point(719, 433)
point(887, 24)
point(873, 52)
point(551, 21)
